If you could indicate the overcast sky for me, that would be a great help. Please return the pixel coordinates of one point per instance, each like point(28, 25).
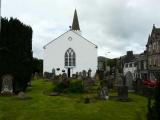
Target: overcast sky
point(116, 26)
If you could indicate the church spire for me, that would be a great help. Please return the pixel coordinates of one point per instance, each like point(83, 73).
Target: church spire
point(75, 24)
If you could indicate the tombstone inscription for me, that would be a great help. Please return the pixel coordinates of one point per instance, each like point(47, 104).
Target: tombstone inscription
point(7, 84)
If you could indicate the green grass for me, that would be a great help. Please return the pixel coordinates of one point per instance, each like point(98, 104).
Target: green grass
point(40, 106)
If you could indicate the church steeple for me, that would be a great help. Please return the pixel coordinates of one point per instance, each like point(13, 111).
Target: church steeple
point(75, 23)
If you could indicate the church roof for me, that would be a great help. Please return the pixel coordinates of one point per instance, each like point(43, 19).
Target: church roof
point(64, 34)
point(75, 23)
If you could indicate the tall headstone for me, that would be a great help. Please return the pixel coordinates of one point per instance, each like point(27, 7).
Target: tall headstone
point(80, 76)
point(118, 79)
point(7, 84)
point(76, 75)
point(64, 77)
point(123, 90)
point(129, 80)
point(103, 90)
point(84, 74)
point(89, 72)
point(53, 73)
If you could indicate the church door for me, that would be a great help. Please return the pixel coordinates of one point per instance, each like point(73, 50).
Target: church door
point(69, 72)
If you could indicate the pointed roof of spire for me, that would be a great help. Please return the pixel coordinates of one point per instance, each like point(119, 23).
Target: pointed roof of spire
point(75, 24)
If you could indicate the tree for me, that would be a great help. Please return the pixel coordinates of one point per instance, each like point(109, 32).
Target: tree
point(37, 65)
point(154, 110)
point(16, 52)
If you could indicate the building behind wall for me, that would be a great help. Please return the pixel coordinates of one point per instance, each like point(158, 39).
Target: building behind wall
point(141, 62)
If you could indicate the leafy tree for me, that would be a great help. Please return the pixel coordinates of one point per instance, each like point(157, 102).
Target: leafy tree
point(37, 65)
point(16, 52)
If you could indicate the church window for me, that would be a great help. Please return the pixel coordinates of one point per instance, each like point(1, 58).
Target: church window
point(70, 58)
point(70, 38)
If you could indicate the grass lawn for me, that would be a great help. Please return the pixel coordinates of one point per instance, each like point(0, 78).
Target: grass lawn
point(39, 106)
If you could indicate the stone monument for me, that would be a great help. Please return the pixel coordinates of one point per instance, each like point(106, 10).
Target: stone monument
point(7, 84)
point(123, 90)
point(53, 73)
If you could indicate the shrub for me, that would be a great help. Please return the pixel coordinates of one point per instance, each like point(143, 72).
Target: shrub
point(73, 86)
point(76, 86)
point(60, 87)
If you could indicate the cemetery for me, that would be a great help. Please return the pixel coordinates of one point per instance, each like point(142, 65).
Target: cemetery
point(39, 105)
point(71, 82)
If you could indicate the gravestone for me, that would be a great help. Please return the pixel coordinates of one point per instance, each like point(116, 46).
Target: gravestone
point(87, 81)
point(123, 90)
point(89, 72)
point(104, 81)
point(64, 77)
point(103, 90)
point(118, 79)
point(7, 84)
point(84, 74)
point(80, 76)
point(103, 93)
point(129, 80)
point(53, 73)
point(101, 74)
point(21, 95)
point(47, 75)
point(76, 75)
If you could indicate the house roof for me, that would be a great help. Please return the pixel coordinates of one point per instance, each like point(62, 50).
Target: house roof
point(64, 34)
point(155, 31)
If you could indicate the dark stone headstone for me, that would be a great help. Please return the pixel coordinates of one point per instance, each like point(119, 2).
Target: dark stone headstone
point(89, 72)
point(76, 75)
point(54, 94)
point(47, 75)
point(53, 73)
point(84, 74)
point(87, 100)
point(64, 77)
point(122, 92)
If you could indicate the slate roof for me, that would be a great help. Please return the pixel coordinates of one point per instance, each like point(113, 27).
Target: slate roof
point(155, 32)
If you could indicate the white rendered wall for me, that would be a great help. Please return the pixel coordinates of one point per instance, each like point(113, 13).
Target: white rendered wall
point(86, 54)
point(130, 69)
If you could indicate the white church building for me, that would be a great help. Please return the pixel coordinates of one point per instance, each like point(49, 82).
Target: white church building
point(70, 52)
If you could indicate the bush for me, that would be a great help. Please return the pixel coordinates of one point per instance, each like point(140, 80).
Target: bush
point(60, 87)
point(73, 86)
point(76, 86)
point(149, 92)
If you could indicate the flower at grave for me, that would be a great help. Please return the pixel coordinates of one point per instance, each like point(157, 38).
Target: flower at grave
point(149, 83)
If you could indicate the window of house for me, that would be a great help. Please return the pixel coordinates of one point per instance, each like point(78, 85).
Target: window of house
point(126, 65)
point(70, 58)
point(130, 64)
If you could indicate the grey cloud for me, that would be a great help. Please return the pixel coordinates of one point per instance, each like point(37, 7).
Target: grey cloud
point(114, 25)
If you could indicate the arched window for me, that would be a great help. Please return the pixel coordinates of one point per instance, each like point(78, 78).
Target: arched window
point(70, 58)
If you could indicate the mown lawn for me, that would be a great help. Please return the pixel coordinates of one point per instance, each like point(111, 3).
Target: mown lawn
point(40, 106)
